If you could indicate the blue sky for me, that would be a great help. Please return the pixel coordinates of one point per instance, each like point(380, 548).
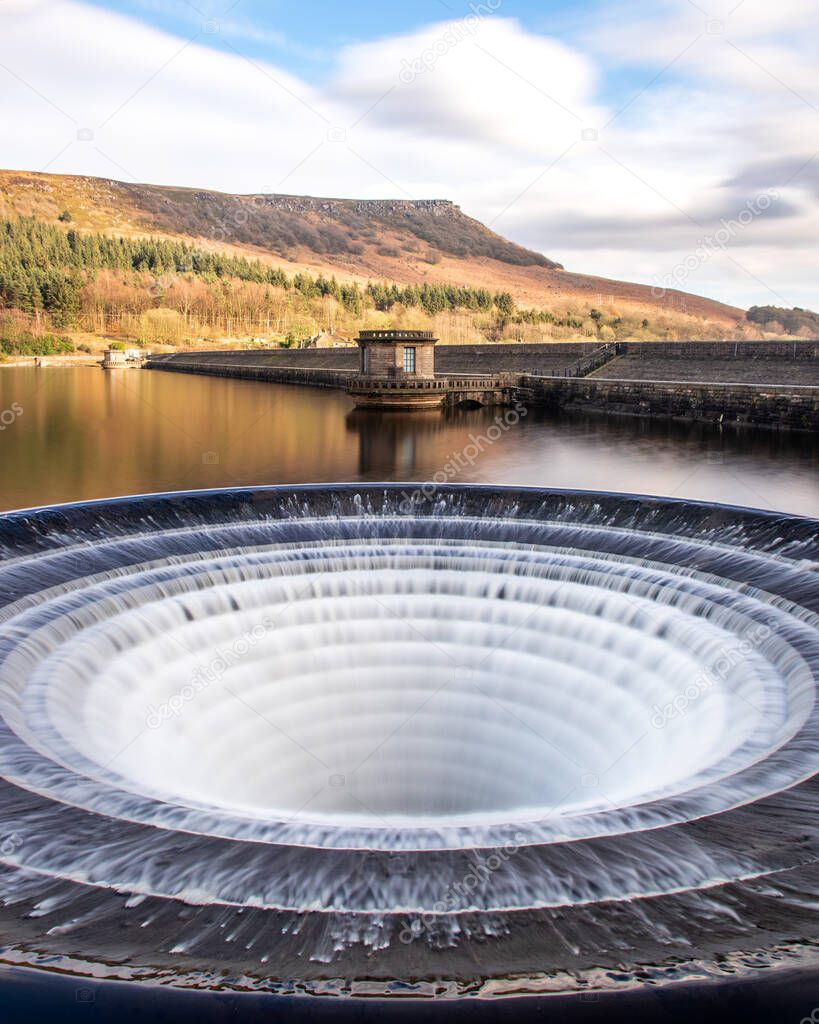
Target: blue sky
point(674, 142)
point(306, 44)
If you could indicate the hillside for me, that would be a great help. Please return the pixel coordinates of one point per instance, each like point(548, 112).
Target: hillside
point(341, 231)
point(415, 243)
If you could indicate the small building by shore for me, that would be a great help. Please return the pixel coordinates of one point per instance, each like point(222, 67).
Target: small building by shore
point(123, 358)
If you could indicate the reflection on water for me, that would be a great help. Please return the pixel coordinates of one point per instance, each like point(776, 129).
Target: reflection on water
point(84, 433)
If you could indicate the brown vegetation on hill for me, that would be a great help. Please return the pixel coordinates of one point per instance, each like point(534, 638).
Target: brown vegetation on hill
point(363, 242)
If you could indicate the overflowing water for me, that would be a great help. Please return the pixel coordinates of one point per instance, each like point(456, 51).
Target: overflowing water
point(323, 733)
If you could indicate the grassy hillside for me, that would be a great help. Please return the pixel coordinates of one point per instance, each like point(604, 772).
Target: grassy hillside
point(289, 227)
point(420, 264)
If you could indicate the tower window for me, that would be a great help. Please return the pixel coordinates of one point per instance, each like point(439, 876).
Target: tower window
point(409, 360)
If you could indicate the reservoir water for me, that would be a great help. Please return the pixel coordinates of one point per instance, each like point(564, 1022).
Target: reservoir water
point(78, 433)
point(496, 672)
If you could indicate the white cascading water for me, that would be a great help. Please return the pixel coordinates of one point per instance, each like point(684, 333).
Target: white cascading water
point(264, 707)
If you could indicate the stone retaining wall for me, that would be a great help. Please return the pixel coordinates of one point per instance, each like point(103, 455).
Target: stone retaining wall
point(345, 359)
point(803, 372)
point(537, 359)
point(317, 378)
point(808, 349)
point(776, 407)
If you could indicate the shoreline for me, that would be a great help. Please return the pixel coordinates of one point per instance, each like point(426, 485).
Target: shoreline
point(51, 361)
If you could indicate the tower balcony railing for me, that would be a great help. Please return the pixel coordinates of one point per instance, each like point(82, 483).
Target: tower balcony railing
point(441, 382)
point(365, 383)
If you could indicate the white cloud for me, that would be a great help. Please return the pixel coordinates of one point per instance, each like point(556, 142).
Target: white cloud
point(482, 111)
point(481, 81)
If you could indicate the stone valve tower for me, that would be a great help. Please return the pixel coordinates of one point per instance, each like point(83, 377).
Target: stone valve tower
point(397, 371)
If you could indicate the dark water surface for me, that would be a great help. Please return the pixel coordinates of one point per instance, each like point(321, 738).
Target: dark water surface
point(79, 432)
point(784, 997)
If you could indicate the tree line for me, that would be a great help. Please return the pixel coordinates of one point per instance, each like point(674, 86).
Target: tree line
point(55, 279)
point(797, 322)
point(47, 269)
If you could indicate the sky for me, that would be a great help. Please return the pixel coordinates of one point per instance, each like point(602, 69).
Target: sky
point(674, 142)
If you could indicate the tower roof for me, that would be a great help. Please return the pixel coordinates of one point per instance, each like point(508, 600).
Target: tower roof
point(397, 337)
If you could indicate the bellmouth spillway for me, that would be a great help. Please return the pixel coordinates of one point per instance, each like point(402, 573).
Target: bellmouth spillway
point(322, 737)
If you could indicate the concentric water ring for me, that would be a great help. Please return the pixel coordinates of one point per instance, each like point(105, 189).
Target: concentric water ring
point(589, 720)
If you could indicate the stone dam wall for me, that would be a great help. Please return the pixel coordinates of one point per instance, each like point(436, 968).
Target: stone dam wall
point(316, 377)
point(764, 384)
point(723, 362)
point(343, 360)
point(490, 359)
point(777, 407)
point(539, 359)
